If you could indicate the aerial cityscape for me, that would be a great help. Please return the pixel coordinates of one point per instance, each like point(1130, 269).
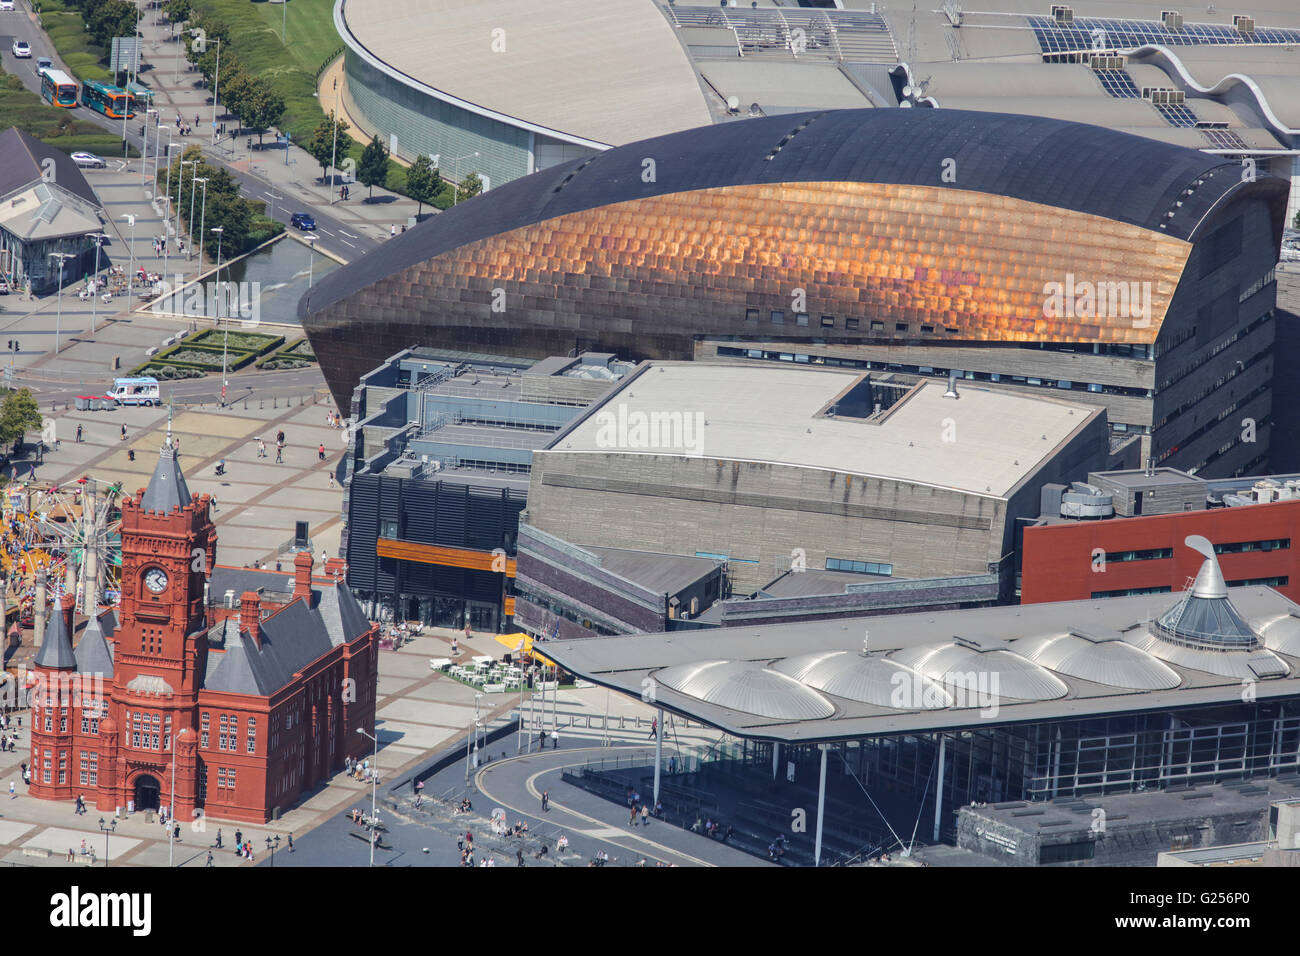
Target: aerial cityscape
point(644, 433)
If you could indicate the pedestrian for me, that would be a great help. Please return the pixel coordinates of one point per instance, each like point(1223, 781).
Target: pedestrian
point(645, 814)
point(124, 432)
point(519, 855)
point(555, 740)
point(631, 818)
point(290, 842)
point(12, 794)
point(392, 230)
point(279, 454)
point(261, 448)
point(546, 800)
point(331, 479)
point(130, 454)
point(209, 863)
point(654, 727)
point(239, 838)
point(78, 433)
point(218, 839)
point(320, 452)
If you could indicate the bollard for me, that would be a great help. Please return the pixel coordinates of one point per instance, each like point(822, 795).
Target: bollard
point(275, 402)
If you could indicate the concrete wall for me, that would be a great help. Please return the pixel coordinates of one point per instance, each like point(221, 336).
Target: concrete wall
point(758, 513)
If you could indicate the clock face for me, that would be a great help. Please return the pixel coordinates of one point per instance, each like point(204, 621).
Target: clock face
point(155, 579)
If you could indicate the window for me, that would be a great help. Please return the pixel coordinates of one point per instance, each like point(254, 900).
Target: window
point(63, 721)
point(224, 729)
point(387, 529)
point(203, 782)
point(927, 328)
point(851, 325)
point(230, 779)
point(828, 321)
point(900, 327)
point(89, 768)
point(778, 317)
point(252, 735)
point(203, 739)
point(49, 722)
point(801, 318)
point(221, 778)
point(858, 567)
point(751, 315)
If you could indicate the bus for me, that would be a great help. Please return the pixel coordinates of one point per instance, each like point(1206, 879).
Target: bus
point(112, 101)
point(58, 88)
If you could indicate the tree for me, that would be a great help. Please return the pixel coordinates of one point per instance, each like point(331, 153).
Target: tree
point(471, 186)
point(177, 11)
point(233, 215)
point(19, 414)
point(322, 145)
point(373, 169)
point(235, 91)
point(261, 107)
point(423, 182)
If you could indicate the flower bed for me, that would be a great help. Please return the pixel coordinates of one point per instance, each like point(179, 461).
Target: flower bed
point(256, 342)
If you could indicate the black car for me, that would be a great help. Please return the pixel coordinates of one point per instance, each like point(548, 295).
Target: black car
point(303, 221)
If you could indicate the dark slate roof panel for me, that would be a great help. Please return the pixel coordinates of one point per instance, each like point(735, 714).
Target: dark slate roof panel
point(292, 638)
point(20, 165)
point(56, 646)
point(167, 489)
point(92, 654)
point(1089, 169)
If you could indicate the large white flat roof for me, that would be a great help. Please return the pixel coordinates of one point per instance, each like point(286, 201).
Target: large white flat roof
point(610, 71)
point(983, 442)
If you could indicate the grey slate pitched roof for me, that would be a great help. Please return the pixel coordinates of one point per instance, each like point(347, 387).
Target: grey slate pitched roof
point(167, 489)
point(291, 639)
point(56, 648)
point(20, 165)
point(92, 652)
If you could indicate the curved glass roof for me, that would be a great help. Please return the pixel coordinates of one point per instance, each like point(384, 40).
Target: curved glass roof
point(980, 678)
point(1281, 634)
point(869, 680)
point(747, 687)
point(1112, 663)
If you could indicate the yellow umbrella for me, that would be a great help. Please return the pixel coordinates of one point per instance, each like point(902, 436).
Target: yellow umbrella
point(513, 641)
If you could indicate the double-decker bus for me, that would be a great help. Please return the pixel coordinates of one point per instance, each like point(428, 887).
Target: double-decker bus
point(58, 88)
point(112, 101)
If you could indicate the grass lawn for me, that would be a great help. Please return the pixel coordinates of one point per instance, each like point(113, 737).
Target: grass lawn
point(68, 33)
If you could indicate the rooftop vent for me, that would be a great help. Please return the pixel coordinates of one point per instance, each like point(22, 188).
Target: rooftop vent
point(1172, 19)
point(1062, 14)
point(1244, 24)
point(1205, 618)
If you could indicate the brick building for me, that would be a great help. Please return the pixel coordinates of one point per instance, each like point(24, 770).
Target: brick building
point(253, 705)
point(1138, 553)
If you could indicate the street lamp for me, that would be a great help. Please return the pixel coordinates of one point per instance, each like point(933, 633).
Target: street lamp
point(157, 142)
point(216, 82)
point(171, 814)
point(203, 212)
point(106, 829)
point(271, 846)
point(311, 255)
point(144, 156)
point(58, 320)
point(179, 184)
point(225, 334)
point(130, 279)
point(374, 822)
point(473, 738)
point(99, 238)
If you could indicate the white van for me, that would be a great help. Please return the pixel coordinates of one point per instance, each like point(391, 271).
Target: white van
point(136, 391)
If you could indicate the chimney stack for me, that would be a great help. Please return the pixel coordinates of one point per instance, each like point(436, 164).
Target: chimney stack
point(952, 385)
point(66, 609)
point(250, 616)
point(302, 565)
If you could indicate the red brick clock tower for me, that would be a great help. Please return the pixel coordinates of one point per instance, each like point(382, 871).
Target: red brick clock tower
point(168, 547)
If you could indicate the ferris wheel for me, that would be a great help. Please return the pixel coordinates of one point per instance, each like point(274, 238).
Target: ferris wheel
point(80, 526)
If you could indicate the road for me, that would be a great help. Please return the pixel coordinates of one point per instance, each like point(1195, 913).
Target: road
point(241, 385)
point(344, 241)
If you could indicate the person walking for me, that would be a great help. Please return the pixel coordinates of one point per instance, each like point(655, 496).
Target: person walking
point(12, 794)
point(320, 452)
point(631, 817)
point(645, 814)
point(261, 448)
point(331, 479)
point(279, 454)
point(290, 842)
point(218, 839)
point(546, 801)
point(130, 454)
point(654, 727)
point(124, 432)
point(209, 863)
point(78, 433)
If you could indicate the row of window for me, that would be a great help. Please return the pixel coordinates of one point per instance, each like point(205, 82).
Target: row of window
point(1210, 388)
point(1064, 384)
point(47, 768)
point(228, 735)
point(1190, 367)
point(89, 768)
point(1266, 279)
point(1277, 582)
point(1260, 427)
point(1129, 592)
point(777, 317)
point(858, 567)
point(148, 731)
point(1231, 547)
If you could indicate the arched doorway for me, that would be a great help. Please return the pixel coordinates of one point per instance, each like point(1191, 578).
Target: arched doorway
point(147, 790)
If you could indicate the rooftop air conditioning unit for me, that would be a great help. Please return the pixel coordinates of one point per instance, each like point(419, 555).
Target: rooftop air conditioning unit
point(1173, 20)
point(1062, 13)
point(1244, 24)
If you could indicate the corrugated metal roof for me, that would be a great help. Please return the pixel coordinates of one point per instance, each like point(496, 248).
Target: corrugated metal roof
point(746, 687)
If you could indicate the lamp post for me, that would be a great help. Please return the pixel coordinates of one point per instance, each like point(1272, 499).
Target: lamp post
point(106, 829)
point(473, 738)
point(203, 212)
point(157, 143)
point(225, 334)
point(171, 814)
point(144, 156)
point(374, 822)
point(216, 82)
point(130, 279)
point(455, 183)
point(190, 223)
point(99, 238)
point(58, 320)
point(271, 845)
point(311, 255)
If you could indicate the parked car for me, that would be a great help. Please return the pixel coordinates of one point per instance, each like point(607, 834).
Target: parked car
point(303, 221)
point(6, 6)
point(22, 50)
point(88, 161)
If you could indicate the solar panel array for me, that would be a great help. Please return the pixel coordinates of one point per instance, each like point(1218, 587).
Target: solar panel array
point(1091, 33)
point(1177, 114)
point(1224, 139)
point(1118, 84)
